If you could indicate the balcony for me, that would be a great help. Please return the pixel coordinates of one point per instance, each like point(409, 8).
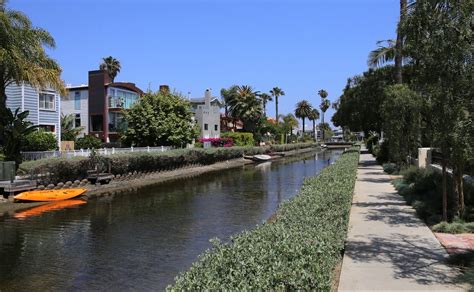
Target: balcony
point(116, 102)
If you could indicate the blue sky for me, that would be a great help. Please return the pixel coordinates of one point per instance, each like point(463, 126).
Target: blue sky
point(298, 45)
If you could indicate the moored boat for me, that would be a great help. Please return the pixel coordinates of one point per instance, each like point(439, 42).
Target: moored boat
point(49, 195)
point(261, 157)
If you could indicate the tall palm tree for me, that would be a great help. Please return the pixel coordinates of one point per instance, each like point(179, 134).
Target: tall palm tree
point(245, 105)
point(393, 51)
point(227, 95)
point(302, 111)
point(325, 104)
point(23, 56)
point(265, 97)
point(276, 92)
point(313, 116)
point(111, 65)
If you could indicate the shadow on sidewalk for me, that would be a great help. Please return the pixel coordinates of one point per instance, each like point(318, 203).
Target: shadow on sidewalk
point(411, 257)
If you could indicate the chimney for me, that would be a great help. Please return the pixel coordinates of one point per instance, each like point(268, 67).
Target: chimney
point(164, 89)
point(207, 97)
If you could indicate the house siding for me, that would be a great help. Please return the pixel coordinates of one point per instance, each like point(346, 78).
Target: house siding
point(26, 98)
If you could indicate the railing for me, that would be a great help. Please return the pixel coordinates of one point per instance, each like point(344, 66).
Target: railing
point(86, 152)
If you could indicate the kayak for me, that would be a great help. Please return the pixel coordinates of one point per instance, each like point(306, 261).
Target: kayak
point(49, 195)
point(48, 207)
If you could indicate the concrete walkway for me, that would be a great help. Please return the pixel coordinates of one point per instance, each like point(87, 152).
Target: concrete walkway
point(388, 247)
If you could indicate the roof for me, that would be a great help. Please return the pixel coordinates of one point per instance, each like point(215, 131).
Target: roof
point(201, 100)
point(79, 87)
point(126, 85)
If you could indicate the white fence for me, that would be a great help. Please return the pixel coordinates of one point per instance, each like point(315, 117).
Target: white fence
point(86, 152)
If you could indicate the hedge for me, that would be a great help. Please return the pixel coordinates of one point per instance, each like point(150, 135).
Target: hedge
point(64, 169)
point(299, 250)
point(240, 138)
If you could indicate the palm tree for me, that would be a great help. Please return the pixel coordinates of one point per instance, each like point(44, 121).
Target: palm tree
point(227, 95)
point(15, 128)
point(69, 131)
point(323, 93)
point(23, 57)
point(393, 51)
point(302, 111)
point(313, 116)
point(265, 97)
point(276, 92)
point(383, 54)
point(245, 105)
point(325, 104)
point(289, 122)
point(112, 66)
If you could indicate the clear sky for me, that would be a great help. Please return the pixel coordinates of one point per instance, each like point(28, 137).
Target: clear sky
point(299, 45)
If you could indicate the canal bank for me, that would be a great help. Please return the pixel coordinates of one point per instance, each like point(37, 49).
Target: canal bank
point(95, 246)
point(134, 182)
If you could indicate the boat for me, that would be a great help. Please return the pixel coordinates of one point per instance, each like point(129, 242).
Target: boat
point(261, 157)
point(48, 208)
point(49, 195)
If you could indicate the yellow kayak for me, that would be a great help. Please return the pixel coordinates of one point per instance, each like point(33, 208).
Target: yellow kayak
point(49, 195)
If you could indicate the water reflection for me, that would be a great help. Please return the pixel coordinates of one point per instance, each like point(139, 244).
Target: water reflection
point(142, 240)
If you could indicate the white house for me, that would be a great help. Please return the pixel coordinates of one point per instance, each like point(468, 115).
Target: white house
point(207, 114)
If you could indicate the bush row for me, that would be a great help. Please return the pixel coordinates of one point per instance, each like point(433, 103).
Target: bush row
point(240, 138)
point(63, 169)
point(297, 251)
point(422, 189)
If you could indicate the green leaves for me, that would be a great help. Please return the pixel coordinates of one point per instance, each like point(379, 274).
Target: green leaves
point(159, 119)
point(298, 251)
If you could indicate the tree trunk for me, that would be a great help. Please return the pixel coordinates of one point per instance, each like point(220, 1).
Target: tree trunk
point(445, 193)
point(456, 194)
point(303, 129)
point(276, 108)
point(322, 130)
point(462, 206)
point(399, 45)
point(314, 130)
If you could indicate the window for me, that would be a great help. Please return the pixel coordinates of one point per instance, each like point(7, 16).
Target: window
point(77, 100)
point(46, 101)
point(96, 123)
point(77, 120)
point(216, 127)
point(47, 128)
point(206, 127)
point(117, 122)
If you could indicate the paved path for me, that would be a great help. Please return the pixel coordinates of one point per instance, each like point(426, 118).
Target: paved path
point(388, 247)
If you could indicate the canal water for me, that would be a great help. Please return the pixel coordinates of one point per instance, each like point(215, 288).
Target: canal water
point(141, 241)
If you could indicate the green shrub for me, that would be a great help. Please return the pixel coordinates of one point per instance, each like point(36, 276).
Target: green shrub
point(389, 168)
point(297, 251)
point(40, 141)
point(88, 142)
point(240, 138)
point(454, 227)
point(382, 154)
point(198, 145)
point(63, 169)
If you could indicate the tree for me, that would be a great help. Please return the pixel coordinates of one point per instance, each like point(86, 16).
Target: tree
point(302, 111)
point(313, 116)
point(276, 93)
point(265, 97)
point(23, 57)
point(289, 122)
point(69, 131)
point(158, 119)
point(15, 129)
point(325, 104)
point(40, 141)
point(111, 65)
point(227, 95)
point(383, 54)
point(438, 39)
point(401, 120)
point(245, 105)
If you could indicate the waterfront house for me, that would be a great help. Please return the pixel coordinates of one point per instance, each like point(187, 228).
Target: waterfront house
point(207, 114)
point(99, 105)
point(43, 104)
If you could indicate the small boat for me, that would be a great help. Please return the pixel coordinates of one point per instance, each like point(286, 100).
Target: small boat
point(48, 208)
point(261, 157)
point(49, 195)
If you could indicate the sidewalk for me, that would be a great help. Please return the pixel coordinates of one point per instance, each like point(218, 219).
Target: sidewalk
point(388, 247)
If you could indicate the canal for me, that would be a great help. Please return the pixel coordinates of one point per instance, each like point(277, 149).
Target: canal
point(141, 241)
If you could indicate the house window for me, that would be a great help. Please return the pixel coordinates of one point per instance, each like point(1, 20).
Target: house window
point(47, 128)
point(206, 127)
point(117, 122)
point(46, 101)
point(77, 120)
point(77, 100)
point(216, 127)
point(96, 123)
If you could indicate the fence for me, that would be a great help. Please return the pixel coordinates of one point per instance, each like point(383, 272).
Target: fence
point(86, 152)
